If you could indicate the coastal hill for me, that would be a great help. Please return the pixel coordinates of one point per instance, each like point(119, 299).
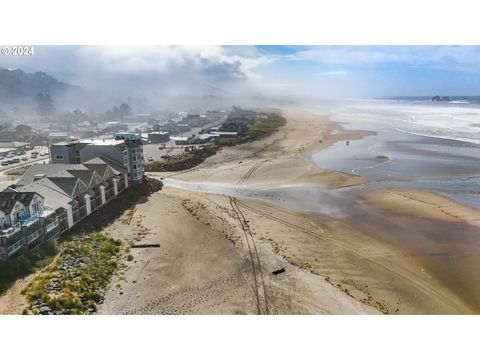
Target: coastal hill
point(20, 90)
point(17, 83)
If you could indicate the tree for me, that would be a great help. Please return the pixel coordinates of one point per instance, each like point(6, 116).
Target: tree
point(6, 126)
point(22, 130)
point(125, 110)
point(44, 104)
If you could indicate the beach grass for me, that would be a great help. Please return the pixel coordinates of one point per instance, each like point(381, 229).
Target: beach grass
point(182, 161)
point(19, 171)
point(75, 281)
point(264, 126)
point(23, 265)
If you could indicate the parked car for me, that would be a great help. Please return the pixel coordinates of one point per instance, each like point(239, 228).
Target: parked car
point(10, 161)
point(34, 156)
point(5, 163)
point(24, 158)
point(16, 160)
point(150, 158)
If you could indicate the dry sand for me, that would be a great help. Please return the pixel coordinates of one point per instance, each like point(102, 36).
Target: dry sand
point(282, 158)
point(370, 264)
point(203, 266)
point(217, 256)
point(12, 302)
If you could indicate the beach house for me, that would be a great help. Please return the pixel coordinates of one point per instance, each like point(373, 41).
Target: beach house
point(49, 199)
point(125, 149)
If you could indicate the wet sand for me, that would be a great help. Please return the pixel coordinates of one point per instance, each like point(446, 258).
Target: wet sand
point(422, 204)
point(397, 263)
point(216, 255)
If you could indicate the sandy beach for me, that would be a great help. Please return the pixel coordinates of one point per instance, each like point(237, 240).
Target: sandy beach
point(203, 266)
point(333, 266)
point(217, 254)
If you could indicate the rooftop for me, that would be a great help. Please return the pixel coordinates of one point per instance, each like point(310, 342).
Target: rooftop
point(12, 144)
point(179, 138)
point(8, 199)
point(105, 142)
point(59, 183)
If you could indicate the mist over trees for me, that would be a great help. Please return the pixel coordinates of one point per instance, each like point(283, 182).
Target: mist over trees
point(45, 105)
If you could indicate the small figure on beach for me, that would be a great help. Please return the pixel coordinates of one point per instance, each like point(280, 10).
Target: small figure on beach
point(348, 142)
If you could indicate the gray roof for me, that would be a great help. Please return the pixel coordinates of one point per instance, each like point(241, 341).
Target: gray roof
point(57, 182)
point(53, 197)
point(8, 199)
point(47, 169)
point(116, 166)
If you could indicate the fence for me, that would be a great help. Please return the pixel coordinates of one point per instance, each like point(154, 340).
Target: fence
point(34, 236)
point(52, 226)
point(15, 247)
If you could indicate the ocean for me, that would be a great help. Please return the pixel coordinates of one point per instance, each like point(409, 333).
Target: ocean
point(418, 144)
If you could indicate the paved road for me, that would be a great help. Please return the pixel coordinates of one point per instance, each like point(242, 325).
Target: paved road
point(6, 180)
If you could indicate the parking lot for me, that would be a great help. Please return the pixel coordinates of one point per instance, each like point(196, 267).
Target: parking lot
point(11, 161)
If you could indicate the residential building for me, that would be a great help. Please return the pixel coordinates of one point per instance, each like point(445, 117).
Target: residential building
point(203, 138)
point(125, 149)
point(158, 136)
point(181, 140)
point(195, 120)
point(57, 136)
point(182, 127)
point(232, 126)
point(15, 145)
point(238, 115)
point(51, 198)
point(214, 115)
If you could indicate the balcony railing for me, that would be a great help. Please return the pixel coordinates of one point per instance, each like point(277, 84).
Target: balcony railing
point(28, 220)
point(34, 236)
point(47, 211)
point(98, 201)
point(79, 213)
point(11, 230)
point(15, 247)
point(53, 236)
point(52, 226)
point(110, 193)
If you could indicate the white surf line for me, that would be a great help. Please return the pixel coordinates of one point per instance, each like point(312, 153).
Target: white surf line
point(444, 137)
point(354, 170)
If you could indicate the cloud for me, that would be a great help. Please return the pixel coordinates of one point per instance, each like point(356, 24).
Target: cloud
point(90, 65)
point(168, 73)
point(457, 58)
point(332, 73)
point(165, 75)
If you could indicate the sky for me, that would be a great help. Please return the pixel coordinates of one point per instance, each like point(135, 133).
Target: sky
point(282, 71)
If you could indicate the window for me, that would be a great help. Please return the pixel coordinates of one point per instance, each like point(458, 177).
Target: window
point(135, 174)
point(134, 158)
point(134, 167)
point(59, 157)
